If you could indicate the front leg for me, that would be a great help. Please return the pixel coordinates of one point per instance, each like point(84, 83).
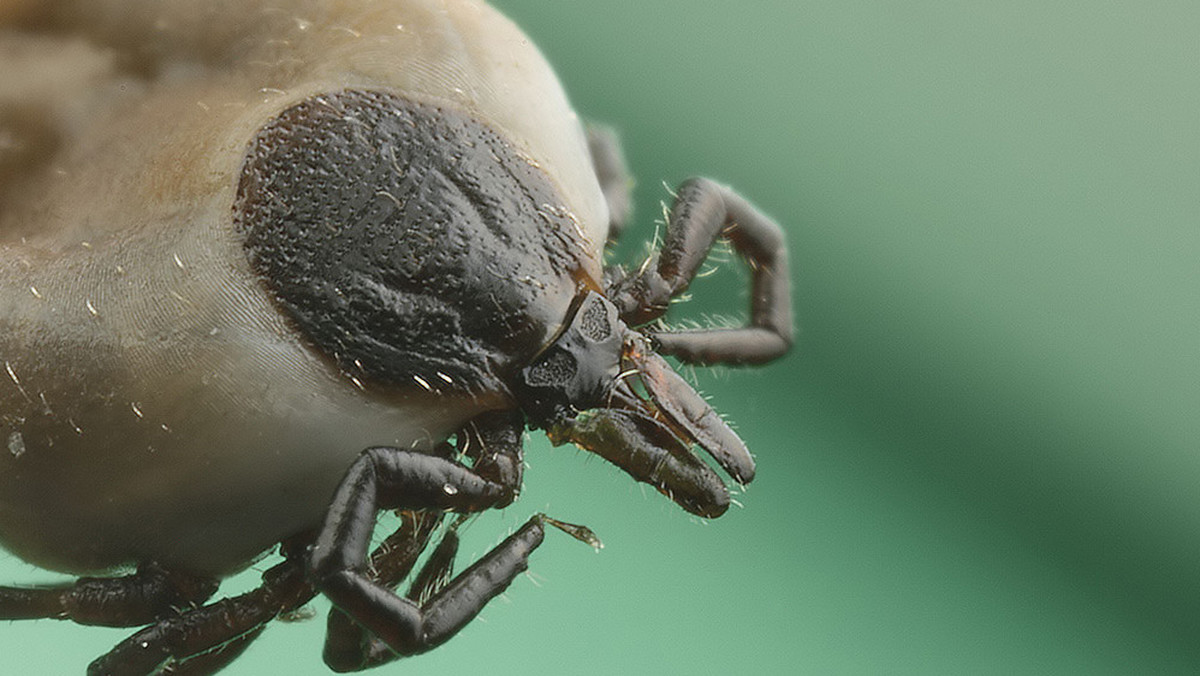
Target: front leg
point(389, 478)
point(350, 647)
point(492, 442)
point(703, 212)
point(408, 628)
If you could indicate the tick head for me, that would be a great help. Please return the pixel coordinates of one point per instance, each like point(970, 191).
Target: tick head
point(601, 386)
point(579, 369)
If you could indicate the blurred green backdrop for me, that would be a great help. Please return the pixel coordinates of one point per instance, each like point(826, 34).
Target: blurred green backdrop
point(984, 454)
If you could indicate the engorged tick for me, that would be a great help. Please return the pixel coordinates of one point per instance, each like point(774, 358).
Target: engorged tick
point(248, 247)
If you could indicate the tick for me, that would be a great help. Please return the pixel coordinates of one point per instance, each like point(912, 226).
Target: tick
point(238, 249)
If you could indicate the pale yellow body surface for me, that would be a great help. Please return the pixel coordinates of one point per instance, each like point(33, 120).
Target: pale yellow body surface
point(154, 403)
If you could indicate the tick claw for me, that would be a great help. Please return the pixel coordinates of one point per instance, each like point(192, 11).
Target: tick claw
point(581, 533)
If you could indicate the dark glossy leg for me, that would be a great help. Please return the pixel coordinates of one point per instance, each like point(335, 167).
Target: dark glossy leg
point(493, 443)
point(615, 180)
point(204, 640)
point(703, 212)
point(216, 659)
point(388, 478)
point(349, 647)
point(408, 628)
point(391, 478)
point(128, 601)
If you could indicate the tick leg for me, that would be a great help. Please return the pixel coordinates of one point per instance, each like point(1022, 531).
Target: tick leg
point(204, 640)
point(408, 628)
point(388, 478)
point(349, 647)
point(391, 478)
point(128, 601)
point(492, 441)
point(613, 174)
point(704, 211)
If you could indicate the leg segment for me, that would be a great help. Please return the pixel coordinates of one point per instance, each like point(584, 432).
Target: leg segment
point(408, 628)
point(391, 478)
point(130, 601)
point(702, 212)
point(216, 659)
point(493, 444)
point(349, 647)
point(204, 640)
point(387, 478)
point(614, 177)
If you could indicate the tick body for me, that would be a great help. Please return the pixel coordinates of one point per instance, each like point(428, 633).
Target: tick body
point(147, 367)
point(259, 240)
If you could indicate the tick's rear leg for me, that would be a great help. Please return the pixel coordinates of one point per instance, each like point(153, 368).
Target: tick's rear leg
point(204, 640)
point(130, 601)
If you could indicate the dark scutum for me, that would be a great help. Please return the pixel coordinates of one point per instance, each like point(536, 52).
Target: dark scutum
point(406, 239)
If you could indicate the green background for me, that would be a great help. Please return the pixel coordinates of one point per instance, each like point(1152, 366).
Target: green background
point(983, 455)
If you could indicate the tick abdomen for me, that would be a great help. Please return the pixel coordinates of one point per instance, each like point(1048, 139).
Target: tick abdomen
point(156, 406)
